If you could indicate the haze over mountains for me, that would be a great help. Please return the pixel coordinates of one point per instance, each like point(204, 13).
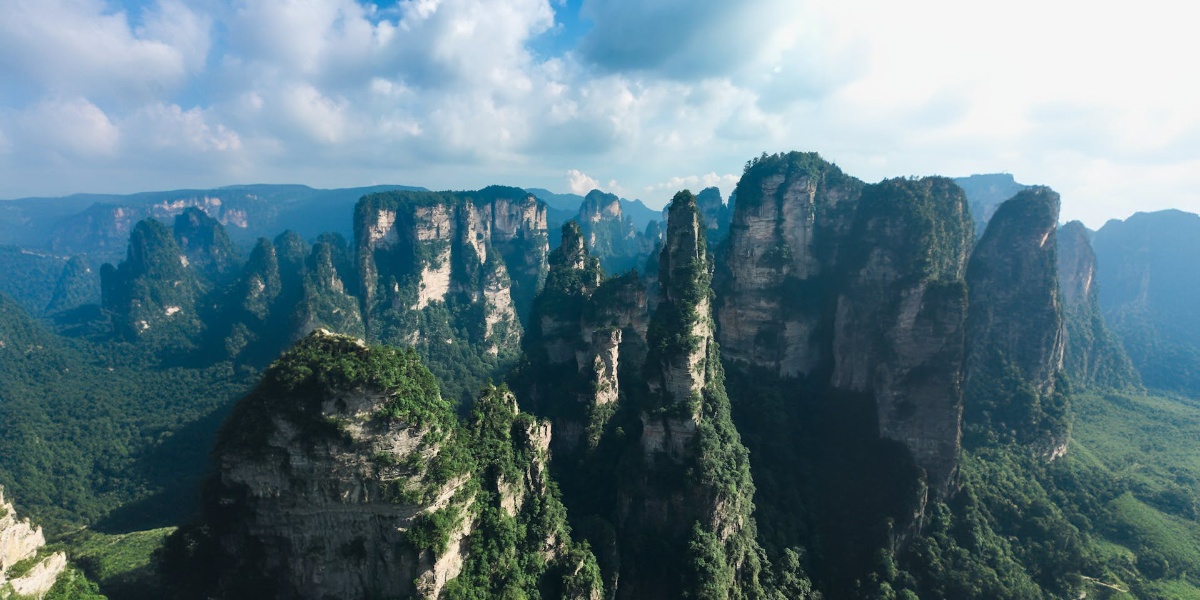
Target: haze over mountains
point(812, 387)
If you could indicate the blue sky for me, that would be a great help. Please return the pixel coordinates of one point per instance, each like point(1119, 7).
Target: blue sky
point(639, 98)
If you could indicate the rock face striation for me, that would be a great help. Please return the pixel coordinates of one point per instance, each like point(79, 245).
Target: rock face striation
point(345, 475)
point(610, 235)
point(687, 437)
point(901, 313)
point(1015, 334)
point(776, 282)
point(1093, 357)
point(415, 250)
point(26, 569)
point(855, 289)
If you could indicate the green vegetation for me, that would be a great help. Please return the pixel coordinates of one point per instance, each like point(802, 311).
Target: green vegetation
point(122, 564)
point(521, 546)
point(92, 427)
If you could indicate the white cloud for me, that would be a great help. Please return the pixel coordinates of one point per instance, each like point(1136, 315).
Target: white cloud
point(446, 93)
point(68, 129)
point(84, 48)
point(580, 183)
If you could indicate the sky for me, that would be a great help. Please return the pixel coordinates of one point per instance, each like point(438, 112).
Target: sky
point(1098, 100)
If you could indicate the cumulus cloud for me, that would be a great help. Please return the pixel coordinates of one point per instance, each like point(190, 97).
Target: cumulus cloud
point(84, 48)
point(580, 183)
point(448, 93)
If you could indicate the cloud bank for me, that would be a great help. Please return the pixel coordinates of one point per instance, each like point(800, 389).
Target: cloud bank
point(648, 97)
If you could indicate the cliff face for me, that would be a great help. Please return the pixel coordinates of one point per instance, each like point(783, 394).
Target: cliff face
point(1147, 267)
point(26, 569)
point(344, 474)
point(775, 285)
point(1093, 357)
point(986, 193)
point(152, 289)
point(687, 438)
point(1015, 335)
point(325, 475)
point(900, 317)
point(611, 236)
point(486, 249)
point(205, 244)
point(586, 333)
point(716, 214)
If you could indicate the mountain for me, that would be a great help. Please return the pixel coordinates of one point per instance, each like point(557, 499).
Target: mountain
point(674, 492)
point(1148, 291)
point(1094, 357)
point(986, 193)
point(825, 388)
point(1015, 333)
point(99, 224)
point(386, 494)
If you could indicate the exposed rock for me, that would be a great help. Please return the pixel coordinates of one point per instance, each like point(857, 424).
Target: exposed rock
point(20, 543)
point(1015, 304)
point(153, 276)
point(416, 249)
point(323, 474)
point(611, 236)
point(775, 285)
point(1015, 336)
point(204, 243)
point(900, 319)
point(686, 438)
point(1093, 358)
point(716, 214)
point(986, 193)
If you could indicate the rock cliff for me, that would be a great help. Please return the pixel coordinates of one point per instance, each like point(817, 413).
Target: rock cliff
point(1015, 335)
point(152, 290)
point(689, 499)
point(776, 284)
point(1146, 265)
point(26, 568)
point(611, 236)
point(1093, 357)
point(485, 249)
point(901, 313)
point(344, 474)
point(205, 244)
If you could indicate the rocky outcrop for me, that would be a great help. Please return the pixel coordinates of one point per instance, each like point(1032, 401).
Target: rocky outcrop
point(334, 478)
point(1015, 335)
point(611, 236)
point(26, 569)
point(986, 193)
point(901, 313)
point(1015, 303)
point(688, 438)
point(716, 215)
point(204, 244)
point(153, 289)
point(344, 474)
point(586, 332)
point(777, 283)
point(481, 248)
point(1093, 358)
